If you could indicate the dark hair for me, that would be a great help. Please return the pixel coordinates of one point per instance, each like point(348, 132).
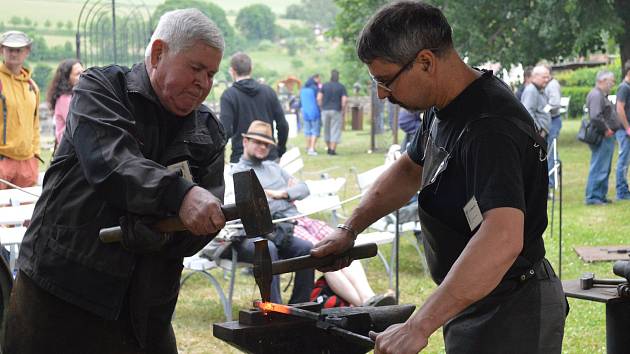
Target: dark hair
point(334, 75)
point(60, 83)
point(527, 72)
point(626, 68)
point(241, 63)
point(399, 30)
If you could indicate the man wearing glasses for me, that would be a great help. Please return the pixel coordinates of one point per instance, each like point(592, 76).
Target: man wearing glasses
point(480, 167)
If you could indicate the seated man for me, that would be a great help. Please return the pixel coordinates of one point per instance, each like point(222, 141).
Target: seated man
point(282, 189)
point(256, 143)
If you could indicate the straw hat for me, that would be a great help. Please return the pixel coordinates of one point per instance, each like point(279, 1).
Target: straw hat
point(15, 39)
point(260, 131)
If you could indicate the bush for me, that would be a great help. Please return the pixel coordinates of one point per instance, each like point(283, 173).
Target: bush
point(42, 74)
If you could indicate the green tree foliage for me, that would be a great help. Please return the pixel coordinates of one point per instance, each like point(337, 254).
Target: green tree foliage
point(59, 25)
point(42, 74)
point(69, 25)
point(213, 11)
point(47, 24)
point(15, 21)
point(514, 31)
point(256, 22)
point(315, 12)
point(27, 21)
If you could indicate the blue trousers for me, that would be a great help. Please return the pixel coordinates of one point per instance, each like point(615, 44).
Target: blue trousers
point(304, 279)
point(599, 171)
point(554, 133)
point(622, 164)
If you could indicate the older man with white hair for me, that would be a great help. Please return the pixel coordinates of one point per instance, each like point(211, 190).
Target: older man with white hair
point(139, 146)
point(535, 101)
point(604, 118)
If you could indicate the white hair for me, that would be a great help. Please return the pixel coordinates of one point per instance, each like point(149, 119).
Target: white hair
point(604, 74)
point(540, 70)
point(181, 29)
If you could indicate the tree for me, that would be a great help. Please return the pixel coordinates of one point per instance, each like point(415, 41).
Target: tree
point(27, 21)
point(69, 25)
point(15, 21)
point(47, 24)
point(315, 12)
point(42, 76)
point(59, 25)
point(256, 22)
point(214, 12)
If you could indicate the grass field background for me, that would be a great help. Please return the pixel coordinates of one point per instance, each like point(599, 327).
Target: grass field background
point(199, 307)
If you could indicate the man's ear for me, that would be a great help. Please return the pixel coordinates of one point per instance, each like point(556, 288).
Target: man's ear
point(158, 50)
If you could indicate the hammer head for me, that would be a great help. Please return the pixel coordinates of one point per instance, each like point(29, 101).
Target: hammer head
point(587, 280)
point(262, 268)
point(251, 203)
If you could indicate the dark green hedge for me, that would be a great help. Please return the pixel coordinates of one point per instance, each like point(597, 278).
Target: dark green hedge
point(578, 98)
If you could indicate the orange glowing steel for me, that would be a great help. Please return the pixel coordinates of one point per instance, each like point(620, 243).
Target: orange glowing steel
point(272, 307)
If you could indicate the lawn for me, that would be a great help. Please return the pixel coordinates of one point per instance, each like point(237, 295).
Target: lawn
point(199, 307)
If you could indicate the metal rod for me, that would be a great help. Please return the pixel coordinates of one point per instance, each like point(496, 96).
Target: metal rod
point(114, 29)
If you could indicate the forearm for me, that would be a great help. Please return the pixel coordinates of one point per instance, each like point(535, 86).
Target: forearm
point(390, 191)
point(621, 115)
point(477, 271)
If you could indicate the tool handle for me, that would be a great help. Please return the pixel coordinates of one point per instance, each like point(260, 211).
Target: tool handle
point(355, 338)
point(305, 262)
point(170, 224)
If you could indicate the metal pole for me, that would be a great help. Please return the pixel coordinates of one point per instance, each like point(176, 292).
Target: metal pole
point(397, 257)
point(560, 222)
point(114, 29)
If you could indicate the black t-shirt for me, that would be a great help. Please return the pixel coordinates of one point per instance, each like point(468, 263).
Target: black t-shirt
point(495, 161)
point(332, 93)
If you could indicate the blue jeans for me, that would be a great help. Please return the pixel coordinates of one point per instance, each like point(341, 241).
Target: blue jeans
point(601, 160)
point(622, 164)
point(304, 279)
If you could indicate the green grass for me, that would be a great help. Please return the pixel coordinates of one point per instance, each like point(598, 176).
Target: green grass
point(199, 307)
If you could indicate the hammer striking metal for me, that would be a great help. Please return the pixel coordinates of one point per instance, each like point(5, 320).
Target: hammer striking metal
point(265, 269)
point(250, 206)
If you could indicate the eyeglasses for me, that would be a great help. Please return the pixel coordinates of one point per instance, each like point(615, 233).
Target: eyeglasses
point(386, 86)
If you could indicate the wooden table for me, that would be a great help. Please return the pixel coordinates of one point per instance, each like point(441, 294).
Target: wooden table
point(617, 313)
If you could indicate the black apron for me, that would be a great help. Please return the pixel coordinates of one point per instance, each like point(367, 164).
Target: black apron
point(520, 315)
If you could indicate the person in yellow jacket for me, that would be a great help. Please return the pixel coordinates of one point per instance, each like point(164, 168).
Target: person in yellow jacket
point(19, 116)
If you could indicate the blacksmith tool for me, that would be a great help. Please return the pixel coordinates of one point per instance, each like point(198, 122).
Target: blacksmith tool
point(250, 206)
point(332, 324)
point(587, 281)
point(265, 269)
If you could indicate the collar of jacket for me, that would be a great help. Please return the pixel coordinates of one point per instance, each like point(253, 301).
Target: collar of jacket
point(24, 74)
point(138, 81)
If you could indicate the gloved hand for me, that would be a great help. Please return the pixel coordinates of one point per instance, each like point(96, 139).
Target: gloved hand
point(139, 237)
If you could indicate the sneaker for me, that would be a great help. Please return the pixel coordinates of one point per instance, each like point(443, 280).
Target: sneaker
point(624, 197)
point(332, 152)
point(311, 152)
point(385, 299)
point(598, 202)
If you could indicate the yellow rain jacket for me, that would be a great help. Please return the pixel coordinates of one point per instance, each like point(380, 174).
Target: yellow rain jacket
point(19, 116)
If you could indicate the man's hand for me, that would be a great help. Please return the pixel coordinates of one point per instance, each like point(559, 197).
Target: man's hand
point(399, 338)
point(276, 194)
point(628, 131)
point(609, 133)
point(201, 212)
point(335, 243)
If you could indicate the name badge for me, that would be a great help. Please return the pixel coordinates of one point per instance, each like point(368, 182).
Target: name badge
point(183, 169)
point(473, 214)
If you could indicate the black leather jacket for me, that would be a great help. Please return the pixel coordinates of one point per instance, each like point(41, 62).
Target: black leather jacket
point(111, 162)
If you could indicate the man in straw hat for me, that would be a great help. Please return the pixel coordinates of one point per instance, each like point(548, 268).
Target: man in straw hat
point(257, 143)
point(19, 117)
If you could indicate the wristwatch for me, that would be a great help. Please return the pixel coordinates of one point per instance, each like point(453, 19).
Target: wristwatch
point(349, 229)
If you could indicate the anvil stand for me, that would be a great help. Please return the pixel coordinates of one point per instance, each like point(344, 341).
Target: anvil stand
point(617, 313)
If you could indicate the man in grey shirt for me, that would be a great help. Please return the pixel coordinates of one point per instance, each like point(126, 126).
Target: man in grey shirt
point(553, 93)
point(256, 145)
point(535, 101)
point(604, 118)
point(332, 99)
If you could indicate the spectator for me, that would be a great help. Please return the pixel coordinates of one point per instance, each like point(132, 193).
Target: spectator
point(332, 99)
point(603, 117)
point(623, 134)
point(310, 113)
point(409, 122)
point(553, 93)
point(60, 92)
point(257, 142)
point(527, 75)
point(247, 101)
point(19, 127)
point(535, 101)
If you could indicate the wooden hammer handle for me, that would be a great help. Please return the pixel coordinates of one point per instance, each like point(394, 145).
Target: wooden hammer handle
point(305, 262)
point(170, 224)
